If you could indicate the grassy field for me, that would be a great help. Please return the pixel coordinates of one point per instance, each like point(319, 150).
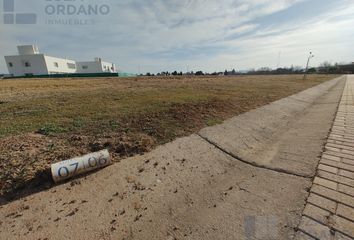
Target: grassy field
point(48, 120)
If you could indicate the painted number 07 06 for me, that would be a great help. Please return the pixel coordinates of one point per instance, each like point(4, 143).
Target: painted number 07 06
point(92, 162)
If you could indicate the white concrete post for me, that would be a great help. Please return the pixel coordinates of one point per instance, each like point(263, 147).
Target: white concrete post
point(72, 167)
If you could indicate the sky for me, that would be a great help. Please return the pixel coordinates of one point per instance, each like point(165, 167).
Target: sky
point(142, 36)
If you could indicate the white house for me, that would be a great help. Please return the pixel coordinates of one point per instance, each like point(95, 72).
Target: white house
point(29, 62)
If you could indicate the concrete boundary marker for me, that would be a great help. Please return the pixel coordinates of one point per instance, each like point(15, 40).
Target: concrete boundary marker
point(70, 168)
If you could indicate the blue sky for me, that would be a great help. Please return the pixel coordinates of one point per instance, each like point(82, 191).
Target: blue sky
point(208, 35)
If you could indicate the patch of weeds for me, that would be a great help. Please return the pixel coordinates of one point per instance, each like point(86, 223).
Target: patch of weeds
point(125, 129)
point(51, 128)
point(78, 123)
point(51, 146)
point(213, 121)
point(113, 124)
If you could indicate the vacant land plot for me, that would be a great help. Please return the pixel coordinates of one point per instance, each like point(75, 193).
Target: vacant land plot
point(48, 120)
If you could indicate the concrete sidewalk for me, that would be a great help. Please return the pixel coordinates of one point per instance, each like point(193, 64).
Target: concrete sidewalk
point(329, 213)
point(247, 178)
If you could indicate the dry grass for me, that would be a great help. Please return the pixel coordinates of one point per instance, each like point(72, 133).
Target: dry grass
point(86, 105)
point(126, 115)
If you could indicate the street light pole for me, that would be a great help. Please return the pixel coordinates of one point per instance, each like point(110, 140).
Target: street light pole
point(307, 65)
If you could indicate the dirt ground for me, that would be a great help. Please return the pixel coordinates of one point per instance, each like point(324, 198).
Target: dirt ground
point(43, 121)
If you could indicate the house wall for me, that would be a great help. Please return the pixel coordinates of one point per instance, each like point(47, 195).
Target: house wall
point(31, 62)
point(27, 50)
point(39, 64)
point(60, 65)
point(36, 64)
point(95, 67)
point(108, 67)
point(89, 67)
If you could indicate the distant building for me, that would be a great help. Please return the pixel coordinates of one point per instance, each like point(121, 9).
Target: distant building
point(347, 68)
point(29, 62)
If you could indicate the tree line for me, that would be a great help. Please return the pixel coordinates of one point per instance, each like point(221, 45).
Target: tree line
point(323, 68)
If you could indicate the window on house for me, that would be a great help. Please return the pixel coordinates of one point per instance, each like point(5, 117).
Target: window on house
point(84, 67)
point(27, 64)
point(71, 66)
point(10, 64)
point(56, 64)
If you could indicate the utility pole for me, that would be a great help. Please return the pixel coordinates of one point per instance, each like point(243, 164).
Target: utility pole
point(278, 62)
point(307, 65)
